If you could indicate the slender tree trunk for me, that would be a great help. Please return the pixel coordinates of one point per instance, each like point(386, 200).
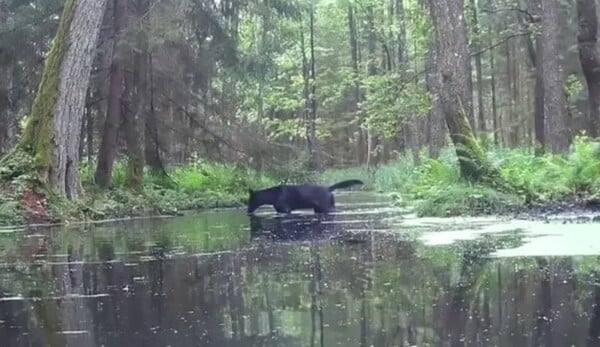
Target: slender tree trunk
point(112, 122)
point(589, 55)
point(134, 121)
point(357, 94)
point(494, 107)
point(478, 67)
point(89, 131)
point(539, 118)
point(371, 70)
point(436, 129)
point(314, 157)
point(556, 126)
point(455, 94)
point(7, 119)
point(306, 90)
point(52, 133)
point(152, 137)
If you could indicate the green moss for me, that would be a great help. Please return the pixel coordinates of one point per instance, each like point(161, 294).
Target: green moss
point(38, 132)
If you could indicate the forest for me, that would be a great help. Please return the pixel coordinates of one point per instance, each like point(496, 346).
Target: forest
point(113, 108)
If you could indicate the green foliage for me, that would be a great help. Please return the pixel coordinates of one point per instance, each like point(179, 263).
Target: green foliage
point(391, 102)
point(200, 185)
point(437, 189)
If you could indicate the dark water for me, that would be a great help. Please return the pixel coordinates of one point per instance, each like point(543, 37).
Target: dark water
point(365, 277)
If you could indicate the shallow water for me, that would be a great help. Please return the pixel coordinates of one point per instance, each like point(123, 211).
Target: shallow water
point(370, 275)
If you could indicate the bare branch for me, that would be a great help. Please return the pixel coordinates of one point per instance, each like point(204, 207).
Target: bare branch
point(504, 40)
point(531, 18)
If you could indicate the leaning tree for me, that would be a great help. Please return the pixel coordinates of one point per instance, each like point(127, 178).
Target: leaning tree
point(52, 131)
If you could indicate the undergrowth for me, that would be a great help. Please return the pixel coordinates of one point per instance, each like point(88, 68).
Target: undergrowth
point(199, 185)
point(434, 186)
point(195, 186)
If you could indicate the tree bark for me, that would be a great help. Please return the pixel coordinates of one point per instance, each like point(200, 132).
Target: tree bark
point(478, 67)
point(493, 90)
point(315, 161)
point(153, 143)
point(112, 122)
point(556, 129)
point(134, 120)
point(589, 55)
point(52, 133)
point(539, 118)
point(455, 94)
point(6, 120)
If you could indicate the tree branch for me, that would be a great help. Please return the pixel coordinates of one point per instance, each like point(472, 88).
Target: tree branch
point(504, 40)
point(530, 17)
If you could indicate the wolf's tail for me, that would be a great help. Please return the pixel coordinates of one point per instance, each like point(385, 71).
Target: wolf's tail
point(344, 184)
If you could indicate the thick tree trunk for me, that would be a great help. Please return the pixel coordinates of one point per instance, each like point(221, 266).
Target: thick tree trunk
point(112, 122)
point(455, 94)
point(556, 126)
point(589, 55)
point(52, 133)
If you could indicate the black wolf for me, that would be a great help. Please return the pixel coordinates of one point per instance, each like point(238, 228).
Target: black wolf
point(286, 198)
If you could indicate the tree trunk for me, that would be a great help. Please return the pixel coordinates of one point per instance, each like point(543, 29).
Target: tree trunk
point(134, 120)
point(371, 70)
point(52, 133)
point(455, 93)
point(315, 161)
point(7, 120)
point(587, 38)
point(5, 76)
point(556, 130)
point(436, 129)
point(112, 122)
point(539, 118)
point(478, 67)
point(357, 95)
point(89, 131)
point(152, 147)
point(494, 107)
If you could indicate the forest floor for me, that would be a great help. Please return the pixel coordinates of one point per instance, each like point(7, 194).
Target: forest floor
point(537, 186)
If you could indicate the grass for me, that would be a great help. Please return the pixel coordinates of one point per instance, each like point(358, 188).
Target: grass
point(195, 186)
point(435, 188)
point(199, 185)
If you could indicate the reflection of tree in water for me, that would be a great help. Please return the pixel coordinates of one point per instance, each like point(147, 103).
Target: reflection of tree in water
point(384, 291)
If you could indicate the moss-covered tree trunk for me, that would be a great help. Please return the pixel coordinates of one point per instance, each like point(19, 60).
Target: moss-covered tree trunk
point(52, 133)
point(455, 92)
